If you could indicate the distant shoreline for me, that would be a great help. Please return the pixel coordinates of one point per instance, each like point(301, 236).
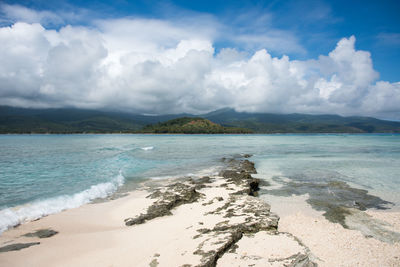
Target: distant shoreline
point(285, 133)
point(71, 121)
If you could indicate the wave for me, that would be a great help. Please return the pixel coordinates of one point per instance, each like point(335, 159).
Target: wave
point(10, 217)
point(147, 148)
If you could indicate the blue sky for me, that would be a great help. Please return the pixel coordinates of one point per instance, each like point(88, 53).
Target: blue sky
point(309, 56)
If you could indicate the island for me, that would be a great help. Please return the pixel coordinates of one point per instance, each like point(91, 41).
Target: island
point(192, 125)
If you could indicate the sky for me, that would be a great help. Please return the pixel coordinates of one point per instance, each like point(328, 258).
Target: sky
point(163, 57)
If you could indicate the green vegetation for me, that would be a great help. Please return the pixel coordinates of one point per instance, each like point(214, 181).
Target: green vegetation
point(20, 120)
point(192, 125)
point(302, 123)
point(16, 120)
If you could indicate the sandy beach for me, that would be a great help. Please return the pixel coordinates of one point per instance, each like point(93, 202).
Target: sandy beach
point(209, 221)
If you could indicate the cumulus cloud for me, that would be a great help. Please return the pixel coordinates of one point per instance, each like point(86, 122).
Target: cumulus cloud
point(158, 66)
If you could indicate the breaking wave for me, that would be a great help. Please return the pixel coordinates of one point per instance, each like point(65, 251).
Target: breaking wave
point(10, 217)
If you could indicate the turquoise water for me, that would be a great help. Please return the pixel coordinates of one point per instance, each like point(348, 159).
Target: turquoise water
point(44, 174)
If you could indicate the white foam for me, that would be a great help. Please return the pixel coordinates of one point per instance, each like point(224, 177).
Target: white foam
point(10, 217)
point(147, 148)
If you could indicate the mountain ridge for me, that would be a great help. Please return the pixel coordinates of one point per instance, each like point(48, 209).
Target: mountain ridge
point(71, 120)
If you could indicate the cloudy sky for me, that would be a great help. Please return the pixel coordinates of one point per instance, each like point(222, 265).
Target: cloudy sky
point(157, 57)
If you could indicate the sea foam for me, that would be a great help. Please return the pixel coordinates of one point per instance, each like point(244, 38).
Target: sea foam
point(147, 148)
point(10, 217)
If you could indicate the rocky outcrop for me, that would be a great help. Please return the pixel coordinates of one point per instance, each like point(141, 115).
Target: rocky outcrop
point(230, 215)
point(17, 246)
point(249, 217)
point(239, 173)
point(171, 197)
point(42, 233)
point(245, 216)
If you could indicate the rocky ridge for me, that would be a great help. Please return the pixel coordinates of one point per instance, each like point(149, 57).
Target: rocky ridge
point(234, 225)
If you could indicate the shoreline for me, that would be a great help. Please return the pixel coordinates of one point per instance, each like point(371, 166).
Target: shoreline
point(282, 133)
point(202, 222)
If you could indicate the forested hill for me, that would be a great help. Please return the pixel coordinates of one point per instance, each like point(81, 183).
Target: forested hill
point(20, 120)
point(192, 125)
point(301, 123)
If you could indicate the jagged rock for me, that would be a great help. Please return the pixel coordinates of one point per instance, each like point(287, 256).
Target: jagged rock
point(42, 233)
point(210, 258)
point(241, 214)
point(248, 166)
point(243, 178)
point(201, 182)
point(18, 246)
point(176, 195)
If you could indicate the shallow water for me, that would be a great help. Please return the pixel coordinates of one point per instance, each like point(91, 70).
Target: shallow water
point(44, 174)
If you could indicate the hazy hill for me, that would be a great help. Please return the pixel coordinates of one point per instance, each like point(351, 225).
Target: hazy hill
point(191, 125)
point(20, 120)
point(301, 123)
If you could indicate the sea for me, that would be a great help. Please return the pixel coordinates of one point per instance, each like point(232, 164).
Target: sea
point(46, 174)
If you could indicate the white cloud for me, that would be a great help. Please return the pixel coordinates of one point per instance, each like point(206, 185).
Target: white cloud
point(348, 73)
point(158, 66)
point(384, 98)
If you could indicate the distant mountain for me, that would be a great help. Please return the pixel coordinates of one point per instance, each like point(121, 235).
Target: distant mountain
point(21, 120)
point(301, 123)
point(192, 125)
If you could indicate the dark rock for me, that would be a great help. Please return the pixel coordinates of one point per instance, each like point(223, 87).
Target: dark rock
point(239, 173)
point(210, 258)
point(201, 182)
point(138, 220)
point(176, 195)
point(248, 166)
point(235, 176)
point(254, 186)
point(154, 263)
point(156, 194)
point(17, 246)
point(244, 179)
point(42, 233)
